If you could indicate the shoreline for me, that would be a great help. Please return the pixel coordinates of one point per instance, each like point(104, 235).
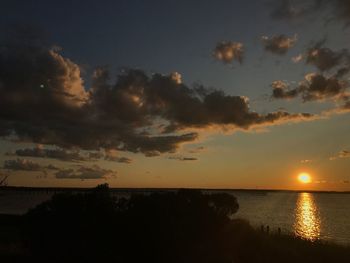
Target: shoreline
point(149, 189)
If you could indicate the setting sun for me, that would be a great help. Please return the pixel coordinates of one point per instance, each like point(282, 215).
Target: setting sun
point(304, 178)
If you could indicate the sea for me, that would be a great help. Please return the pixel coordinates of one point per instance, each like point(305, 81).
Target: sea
point(310, 215)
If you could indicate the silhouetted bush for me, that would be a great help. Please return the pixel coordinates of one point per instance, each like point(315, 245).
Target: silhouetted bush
point(182, 226)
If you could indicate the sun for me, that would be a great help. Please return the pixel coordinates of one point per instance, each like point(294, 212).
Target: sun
point(304, 178)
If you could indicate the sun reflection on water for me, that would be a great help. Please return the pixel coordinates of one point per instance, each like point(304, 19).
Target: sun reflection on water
point(307, 221)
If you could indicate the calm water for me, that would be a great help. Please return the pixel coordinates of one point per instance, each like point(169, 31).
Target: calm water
point(309, 215)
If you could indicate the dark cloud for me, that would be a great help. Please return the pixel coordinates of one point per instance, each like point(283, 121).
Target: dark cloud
point(281, 90)
point(43, 100)
point(52, 167)
point(69, 156)
point(85, 173)
point(197, 149)
point(95, 155)
point(44, 74)
point(227, 52)
point(315, 86)
point(188, 109)
point(21, 165)
point(325, 59)
point(59, 154)
point(318, 87)
point(330, 83)
point(152, 153)
point(122, 160)
point(279, 44)
point(182, 158)
point(26, 165)
point(94, 172)
point(113, 156)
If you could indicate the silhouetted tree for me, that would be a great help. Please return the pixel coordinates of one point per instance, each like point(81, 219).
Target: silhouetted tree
point(3, 180)
point(224, 204)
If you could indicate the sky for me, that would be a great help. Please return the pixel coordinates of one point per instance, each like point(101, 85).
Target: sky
point(203, 94)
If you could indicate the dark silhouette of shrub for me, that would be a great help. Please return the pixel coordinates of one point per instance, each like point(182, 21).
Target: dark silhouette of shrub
point(173, 226)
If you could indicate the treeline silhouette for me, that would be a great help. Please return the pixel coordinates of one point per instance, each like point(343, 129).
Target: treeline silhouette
point(182, 226)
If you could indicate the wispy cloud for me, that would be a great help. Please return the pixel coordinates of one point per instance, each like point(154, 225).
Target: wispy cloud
point(182, 158)
point(60, 154)
point(112, 155)
point(85, 173)
point(26, 165)
point(340, 155)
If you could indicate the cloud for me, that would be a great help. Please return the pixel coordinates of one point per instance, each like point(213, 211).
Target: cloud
point(69, 156)
point(319, 87)
point(176, 76)
point(279, 44)
point(329, 83)
point(43, 100)
point(325, 59)
point(182, 158)
point(21, 165)
point(112, 155)
point(60, 154)
point(341, 155)
point(281, 90)
point(339, 109)
point(51, 167)
point(229, 51)
point(94, 172)
point(45, 74)
point(196, 149)
point(85, 173)
point(95, 155)
point(315, 86)
point(62, 113)
point(298, 58)
point(26, 165)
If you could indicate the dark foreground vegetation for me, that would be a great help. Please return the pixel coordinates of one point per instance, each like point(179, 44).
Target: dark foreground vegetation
point(183, 226)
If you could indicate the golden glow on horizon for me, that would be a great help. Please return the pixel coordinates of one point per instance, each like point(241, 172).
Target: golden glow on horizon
point(307, 221)
point(304, 178)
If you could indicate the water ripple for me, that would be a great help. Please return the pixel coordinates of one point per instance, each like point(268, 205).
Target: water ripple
point(307, 219)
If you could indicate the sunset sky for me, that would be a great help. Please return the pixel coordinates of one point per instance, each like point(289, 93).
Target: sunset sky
point(208, 94)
